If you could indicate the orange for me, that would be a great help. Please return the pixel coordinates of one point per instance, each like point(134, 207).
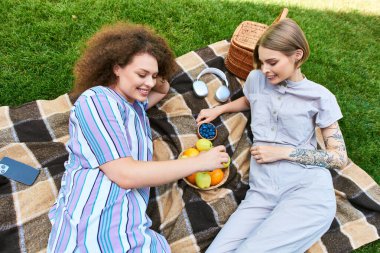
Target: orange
point(216, 176)
point(191, 178)
point(190, 152)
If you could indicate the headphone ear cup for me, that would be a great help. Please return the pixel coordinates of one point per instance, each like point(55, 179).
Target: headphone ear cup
point(222, 94)
point(200, 88)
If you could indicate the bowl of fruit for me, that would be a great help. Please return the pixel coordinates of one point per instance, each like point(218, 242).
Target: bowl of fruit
point(207, 180)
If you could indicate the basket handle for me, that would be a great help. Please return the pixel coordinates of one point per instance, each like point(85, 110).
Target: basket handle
point(282, 15)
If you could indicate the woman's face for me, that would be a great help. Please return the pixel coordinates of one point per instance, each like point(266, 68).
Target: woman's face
point(276, 66)
point(136, 79)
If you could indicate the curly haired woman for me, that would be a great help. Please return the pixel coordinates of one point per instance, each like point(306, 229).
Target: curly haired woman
point(101, 206)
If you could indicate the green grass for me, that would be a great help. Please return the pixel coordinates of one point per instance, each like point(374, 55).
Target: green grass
point(40, 41)
point(371, 7)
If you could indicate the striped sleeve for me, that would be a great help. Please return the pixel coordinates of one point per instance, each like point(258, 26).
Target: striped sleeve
point(101, 129)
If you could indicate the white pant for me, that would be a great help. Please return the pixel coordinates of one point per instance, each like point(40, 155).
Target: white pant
point(273, 218)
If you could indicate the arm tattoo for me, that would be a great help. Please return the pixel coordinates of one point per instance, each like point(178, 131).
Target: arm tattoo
point(336, 137)
point(314, 157)
point(334, 157)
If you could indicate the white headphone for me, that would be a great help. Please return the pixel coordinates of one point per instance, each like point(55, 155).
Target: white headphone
point(222, 94)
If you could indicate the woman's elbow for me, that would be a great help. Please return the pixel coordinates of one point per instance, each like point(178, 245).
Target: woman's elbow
point(122, 183)
point(120, 172)
point(126, 182)
point(342, 160)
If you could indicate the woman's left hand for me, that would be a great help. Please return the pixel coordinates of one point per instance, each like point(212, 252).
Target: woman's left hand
point(158, 92)
point(268, 154)
point(162, 86)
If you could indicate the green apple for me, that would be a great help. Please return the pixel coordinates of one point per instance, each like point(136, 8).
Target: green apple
point(203, 145)
point(202, 180)
point(225, 165)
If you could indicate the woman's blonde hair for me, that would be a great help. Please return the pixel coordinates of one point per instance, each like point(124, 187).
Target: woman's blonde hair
point(286, 37)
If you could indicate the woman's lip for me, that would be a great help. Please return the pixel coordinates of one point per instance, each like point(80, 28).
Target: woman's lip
point(144, 92)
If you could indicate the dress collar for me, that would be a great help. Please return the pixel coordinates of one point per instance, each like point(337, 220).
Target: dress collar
point(287, 84)
point(291, 84)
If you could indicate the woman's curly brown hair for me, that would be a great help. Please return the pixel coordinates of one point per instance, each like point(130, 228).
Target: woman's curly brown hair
point(117, 45)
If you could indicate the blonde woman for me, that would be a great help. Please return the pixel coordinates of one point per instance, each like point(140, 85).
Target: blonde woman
point(291, 201)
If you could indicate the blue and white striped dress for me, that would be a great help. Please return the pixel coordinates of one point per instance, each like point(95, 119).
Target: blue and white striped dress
point(92, 213)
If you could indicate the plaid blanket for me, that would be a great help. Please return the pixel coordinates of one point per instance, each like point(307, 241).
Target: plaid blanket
point(36, 133)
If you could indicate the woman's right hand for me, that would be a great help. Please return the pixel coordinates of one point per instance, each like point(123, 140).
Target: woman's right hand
point(208, 115)
point(213, 159)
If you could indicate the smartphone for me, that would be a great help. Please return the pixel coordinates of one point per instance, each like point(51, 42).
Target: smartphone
point(18, 171)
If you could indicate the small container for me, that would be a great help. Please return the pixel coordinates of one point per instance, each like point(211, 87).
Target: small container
point(207, 131)
point(225, 176)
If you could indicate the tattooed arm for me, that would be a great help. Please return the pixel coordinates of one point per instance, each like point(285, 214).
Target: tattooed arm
point(334, 157)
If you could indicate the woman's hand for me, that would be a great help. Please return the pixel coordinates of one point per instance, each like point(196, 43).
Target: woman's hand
point(208, 115)
point(269, 154)
point(158, 92)
point(213, 158)
point(162, 86)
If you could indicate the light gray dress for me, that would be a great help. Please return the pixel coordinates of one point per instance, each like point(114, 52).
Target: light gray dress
point(289, 206)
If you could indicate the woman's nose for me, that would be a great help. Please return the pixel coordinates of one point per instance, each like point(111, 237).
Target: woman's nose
point(264, 68)
point(150, 81)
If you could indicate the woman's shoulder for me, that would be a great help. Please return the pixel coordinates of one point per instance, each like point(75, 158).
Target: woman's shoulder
point(317, 88)
point(256, 75)
point(255, 82)
point(99, 93)
point(97, 98)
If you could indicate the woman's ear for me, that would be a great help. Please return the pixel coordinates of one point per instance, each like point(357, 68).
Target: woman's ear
point(116, 69)
point(298, 55)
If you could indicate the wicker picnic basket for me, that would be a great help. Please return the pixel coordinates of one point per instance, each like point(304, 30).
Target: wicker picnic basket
point(239, 60)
